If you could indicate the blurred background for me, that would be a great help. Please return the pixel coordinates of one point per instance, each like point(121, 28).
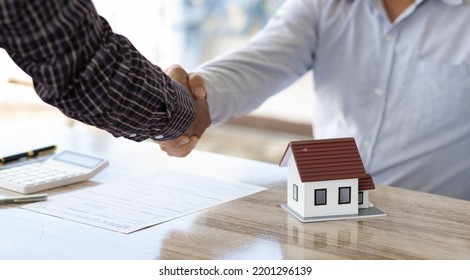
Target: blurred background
point(185, 32)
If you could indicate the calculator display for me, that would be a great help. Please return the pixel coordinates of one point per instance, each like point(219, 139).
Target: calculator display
point(78, 159)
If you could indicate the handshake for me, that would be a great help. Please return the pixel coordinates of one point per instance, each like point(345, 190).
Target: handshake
point(186, 142)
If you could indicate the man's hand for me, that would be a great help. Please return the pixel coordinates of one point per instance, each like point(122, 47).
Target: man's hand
point(185, 143)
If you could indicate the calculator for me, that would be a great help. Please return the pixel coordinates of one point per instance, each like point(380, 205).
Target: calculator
point(59, 170)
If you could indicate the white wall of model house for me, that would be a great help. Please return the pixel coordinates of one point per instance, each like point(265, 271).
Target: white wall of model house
point(305, 204)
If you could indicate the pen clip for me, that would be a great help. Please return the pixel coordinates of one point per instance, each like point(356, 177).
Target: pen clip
point(28, 154)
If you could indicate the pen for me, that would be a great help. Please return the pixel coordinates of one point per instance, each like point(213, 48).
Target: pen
point(28, 154)
point(23, 199)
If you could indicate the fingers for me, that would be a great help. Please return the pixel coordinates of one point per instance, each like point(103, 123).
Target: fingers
point(181, 152)
point(179, 147)
point(193, 140)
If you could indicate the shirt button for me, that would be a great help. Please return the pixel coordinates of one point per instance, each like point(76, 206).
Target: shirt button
point(378, 92)
point(366, 144)
point(388, 38)
point(158, 137)
point(132, 135)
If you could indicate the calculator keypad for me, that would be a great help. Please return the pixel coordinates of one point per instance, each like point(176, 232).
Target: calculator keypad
point(34, 174)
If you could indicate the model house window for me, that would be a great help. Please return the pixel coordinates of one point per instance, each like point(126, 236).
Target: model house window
point(320, 197)
point(344, 195)
point(361, 198)
point(295, 193)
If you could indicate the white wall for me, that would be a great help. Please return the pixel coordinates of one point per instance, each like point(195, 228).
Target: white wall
point(293, 178)
point(332, 207)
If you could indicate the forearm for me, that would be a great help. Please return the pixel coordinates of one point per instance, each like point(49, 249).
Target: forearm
point(90, 73)
point(238, 83)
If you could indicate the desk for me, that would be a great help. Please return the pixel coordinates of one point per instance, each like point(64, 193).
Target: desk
point(417, 225)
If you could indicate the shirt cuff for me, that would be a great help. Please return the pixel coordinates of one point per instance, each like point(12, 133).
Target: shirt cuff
point(181, 114)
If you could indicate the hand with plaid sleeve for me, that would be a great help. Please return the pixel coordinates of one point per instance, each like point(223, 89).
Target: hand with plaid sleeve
point(79, 65)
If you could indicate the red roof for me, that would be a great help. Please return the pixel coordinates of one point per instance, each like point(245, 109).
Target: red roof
point(328, 159)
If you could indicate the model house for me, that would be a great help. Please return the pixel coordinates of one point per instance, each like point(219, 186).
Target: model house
point(327, 180)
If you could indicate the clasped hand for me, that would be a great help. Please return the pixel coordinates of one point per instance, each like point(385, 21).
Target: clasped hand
point(185, 143)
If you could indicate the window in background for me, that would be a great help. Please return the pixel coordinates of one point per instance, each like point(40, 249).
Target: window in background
point(186, 32)
point(210, 27)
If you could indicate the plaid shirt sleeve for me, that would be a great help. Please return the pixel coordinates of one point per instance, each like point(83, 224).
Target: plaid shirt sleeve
point(93, 75)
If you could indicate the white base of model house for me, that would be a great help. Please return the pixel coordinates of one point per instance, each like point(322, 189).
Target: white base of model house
point(363, 213)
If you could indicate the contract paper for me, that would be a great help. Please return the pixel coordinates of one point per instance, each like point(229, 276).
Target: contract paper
point(143, 201)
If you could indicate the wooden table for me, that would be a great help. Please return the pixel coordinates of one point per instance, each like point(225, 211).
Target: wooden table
point(417, 225)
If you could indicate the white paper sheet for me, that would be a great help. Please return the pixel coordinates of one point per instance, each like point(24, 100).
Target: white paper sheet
point(144, 201)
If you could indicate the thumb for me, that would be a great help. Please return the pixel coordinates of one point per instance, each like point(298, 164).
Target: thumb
point(197, 86)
